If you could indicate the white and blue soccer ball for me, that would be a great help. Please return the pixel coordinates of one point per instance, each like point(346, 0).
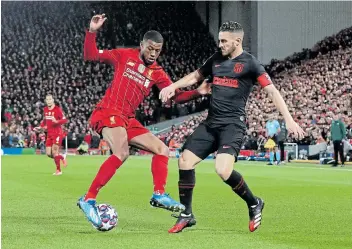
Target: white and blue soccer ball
point(108, 216)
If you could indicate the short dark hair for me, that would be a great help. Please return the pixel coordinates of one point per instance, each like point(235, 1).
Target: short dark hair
point(49, 94)
point(231, 26)
point(154, 36)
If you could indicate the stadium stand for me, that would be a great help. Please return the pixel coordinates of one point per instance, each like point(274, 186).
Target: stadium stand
point(41, 56)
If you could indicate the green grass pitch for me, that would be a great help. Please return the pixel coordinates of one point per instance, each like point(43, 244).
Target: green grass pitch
point(307, 206)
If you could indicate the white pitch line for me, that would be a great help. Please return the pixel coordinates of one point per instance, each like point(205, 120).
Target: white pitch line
point(261, 165)
point(333, 169)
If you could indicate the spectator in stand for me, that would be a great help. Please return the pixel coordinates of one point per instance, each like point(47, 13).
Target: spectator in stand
point(338, 135)
point(83, 148)
point(103, 147)
point(88, 138)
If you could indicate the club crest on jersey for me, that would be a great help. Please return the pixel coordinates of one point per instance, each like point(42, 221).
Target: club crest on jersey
point(112, 120)
point(150, 72)
point(141, 68)
point(238, 67)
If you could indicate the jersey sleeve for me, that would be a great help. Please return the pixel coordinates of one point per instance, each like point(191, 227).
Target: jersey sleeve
point(207, 68)
point(61, 117)
point(259, 74)
point(163, 80)
point(180, 96)
point(91, 53)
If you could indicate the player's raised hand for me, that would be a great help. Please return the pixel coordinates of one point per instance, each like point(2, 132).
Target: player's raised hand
point(54, 120)
point(204, 88)
point(96, 22)
point(295, 129)
point(167, 93)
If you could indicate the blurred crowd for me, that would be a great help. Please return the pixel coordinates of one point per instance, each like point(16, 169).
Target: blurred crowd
point(315, 84)
point(42, 52)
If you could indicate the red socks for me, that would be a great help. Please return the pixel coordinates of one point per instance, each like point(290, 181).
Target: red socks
point(57, 162)
point(106, 171)
point(109, 167)
point(159, 171)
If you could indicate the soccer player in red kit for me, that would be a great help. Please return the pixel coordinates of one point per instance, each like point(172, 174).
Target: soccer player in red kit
point(136, 71)
point(52, 122)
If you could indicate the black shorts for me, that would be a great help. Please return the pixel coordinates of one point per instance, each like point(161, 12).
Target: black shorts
point(224, 139)
point(276, 140)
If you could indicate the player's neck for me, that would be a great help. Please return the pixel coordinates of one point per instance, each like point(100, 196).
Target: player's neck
point(236, 53)
point(51, 107)
point(144, 61)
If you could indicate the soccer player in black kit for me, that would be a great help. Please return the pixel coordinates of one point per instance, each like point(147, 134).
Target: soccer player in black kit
point(233, 72)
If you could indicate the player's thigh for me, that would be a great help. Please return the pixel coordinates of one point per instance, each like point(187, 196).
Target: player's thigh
point(57, 141)
point(149, 142)
point(48, 151)
point(198, 146)
point(116, 137)
point(55, 150)
point(231, 139)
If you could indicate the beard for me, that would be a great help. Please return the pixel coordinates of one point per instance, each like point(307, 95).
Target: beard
point(229, 51)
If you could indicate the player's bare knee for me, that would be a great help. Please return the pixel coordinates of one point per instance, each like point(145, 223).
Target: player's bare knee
point(122, 154)
point(224, 171)
point(185, 164)
point(162, 149)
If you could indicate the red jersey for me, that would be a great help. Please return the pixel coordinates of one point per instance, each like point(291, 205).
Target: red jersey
point(88, 139)
point(49, 115)
point(133, 79)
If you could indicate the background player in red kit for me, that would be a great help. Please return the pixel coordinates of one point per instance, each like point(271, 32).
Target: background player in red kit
point(52, 122)
point(136, 71)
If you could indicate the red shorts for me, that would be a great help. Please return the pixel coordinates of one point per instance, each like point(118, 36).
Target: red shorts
point(54, 139)
point(107, 118)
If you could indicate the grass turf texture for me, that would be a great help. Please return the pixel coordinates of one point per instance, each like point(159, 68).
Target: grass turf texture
point(307, 206)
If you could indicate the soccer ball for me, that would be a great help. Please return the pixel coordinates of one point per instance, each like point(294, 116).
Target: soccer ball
point(108, 216)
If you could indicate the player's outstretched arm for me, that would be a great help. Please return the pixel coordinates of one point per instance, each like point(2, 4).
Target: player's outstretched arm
point(189, 80)
point(185, 96)
point(41, 127)
point(280, 104)
point(91, 53)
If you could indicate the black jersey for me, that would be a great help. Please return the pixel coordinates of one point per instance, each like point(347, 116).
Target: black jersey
point(233, 80)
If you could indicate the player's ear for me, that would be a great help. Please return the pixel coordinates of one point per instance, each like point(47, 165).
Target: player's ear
point(238, 40)
point(141, 44)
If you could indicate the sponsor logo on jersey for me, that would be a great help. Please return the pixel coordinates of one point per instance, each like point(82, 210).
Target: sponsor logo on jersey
point(137, 76)
point(131, 63)
point(225, 82)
